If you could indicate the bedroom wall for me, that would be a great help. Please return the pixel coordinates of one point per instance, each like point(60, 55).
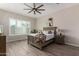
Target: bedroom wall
point(67, 20)
point(4, 20)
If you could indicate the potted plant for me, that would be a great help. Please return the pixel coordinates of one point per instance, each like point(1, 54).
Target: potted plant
point(34, 31)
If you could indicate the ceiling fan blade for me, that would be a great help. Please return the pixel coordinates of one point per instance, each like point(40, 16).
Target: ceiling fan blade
point(30, 11)
point(27, 5)
point(40, 6)
point(27, 9)
point(34, 5)
point(41, 9)
point(34, 12)
point(38, 11)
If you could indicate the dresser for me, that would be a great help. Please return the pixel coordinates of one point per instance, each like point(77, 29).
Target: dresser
point(2, 45)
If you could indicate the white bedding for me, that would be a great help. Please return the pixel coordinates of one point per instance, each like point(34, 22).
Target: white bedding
point(48, 36)
point(32, 34)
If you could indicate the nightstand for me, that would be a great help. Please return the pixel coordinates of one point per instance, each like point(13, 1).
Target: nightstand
point(60, 39)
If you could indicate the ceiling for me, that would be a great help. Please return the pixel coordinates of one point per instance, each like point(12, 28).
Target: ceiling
point(19, 8)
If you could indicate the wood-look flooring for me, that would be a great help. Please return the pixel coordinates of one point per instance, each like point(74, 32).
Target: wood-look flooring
point(21, 48)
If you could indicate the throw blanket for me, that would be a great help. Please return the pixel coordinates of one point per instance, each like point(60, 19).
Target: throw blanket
point(40, 38)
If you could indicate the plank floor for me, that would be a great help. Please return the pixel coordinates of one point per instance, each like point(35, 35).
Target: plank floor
point(21, 48)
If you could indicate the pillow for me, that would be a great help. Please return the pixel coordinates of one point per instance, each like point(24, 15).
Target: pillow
point(52, 31)
point(45, 32)
point(49, 32)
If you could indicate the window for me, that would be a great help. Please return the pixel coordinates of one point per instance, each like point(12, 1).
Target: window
point(19, 27)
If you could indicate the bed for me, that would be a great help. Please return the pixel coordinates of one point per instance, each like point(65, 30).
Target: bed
point(44, 40)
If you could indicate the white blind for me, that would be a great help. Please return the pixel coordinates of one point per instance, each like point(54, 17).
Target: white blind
point(19, 27)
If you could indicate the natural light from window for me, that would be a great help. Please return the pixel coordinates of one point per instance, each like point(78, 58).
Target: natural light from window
point(19, 27)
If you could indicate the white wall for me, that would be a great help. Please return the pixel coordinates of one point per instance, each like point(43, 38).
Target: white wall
point(4, 20)
point(67, 20)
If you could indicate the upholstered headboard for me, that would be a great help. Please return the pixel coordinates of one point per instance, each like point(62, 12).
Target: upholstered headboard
point(49, 28)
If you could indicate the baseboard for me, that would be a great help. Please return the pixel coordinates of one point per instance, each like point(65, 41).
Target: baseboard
point(76, 45)
point(15, 40)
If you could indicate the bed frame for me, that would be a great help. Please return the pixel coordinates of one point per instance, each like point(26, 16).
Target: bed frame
point(42, 45)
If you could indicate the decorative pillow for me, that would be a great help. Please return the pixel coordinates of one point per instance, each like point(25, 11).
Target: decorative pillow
point(49, 32)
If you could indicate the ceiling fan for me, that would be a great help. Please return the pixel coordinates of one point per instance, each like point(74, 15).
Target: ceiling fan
point(35, 9)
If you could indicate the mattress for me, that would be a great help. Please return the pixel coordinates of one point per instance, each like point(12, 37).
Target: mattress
point(48, 36)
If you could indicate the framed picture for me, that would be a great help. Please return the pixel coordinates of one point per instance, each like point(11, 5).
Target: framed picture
point(50, 21)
